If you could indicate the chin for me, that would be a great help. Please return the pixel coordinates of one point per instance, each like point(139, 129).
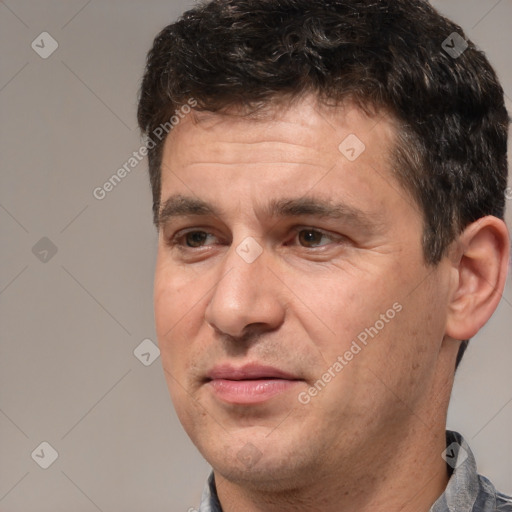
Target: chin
point(265, 476)
point(255, 460)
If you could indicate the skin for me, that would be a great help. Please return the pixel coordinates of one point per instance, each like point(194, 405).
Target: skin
point(372, 438)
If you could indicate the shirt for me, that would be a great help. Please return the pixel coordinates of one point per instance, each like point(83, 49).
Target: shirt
point(466, 491)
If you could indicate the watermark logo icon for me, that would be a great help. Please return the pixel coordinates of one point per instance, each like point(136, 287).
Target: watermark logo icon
point(454, 45)
point(44, 455)
point(44, 45)
point(44, 250)
point(352, 147)
point(455, 455)
point(249, 250)
point(146, 352)
point(249, 455)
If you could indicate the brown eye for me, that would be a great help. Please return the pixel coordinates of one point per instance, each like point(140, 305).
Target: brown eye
point(311, 237)
point(195, 239)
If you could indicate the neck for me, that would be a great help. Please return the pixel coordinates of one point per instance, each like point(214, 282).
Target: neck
point(409, 477)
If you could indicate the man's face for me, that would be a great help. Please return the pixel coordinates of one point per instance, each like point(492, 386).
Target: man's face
point(255, 305)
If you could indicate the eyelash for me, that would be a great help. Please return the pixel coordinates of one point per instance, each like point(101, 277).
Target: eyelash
point(177, 240)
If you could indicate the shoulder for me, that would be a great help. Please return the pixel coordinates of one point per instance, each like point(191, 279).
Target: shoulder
point(503, 503)
point(489, 499)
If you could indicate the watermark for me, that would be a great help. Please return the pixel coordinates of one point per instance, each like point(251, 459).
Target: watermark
point(44, 45)
point(304, 397)
point(508, 193)
point(454, 45)
point(162, 130)
point(44, 250)
point(351, 147)
point(249, 455)
point(158, 134)
point(249, 250)
point(146, 352)
point(44, 455)
point(454, 455)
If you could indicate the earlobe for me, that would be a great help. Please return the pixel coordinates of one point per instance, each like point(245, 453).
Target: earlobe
point(481, 268)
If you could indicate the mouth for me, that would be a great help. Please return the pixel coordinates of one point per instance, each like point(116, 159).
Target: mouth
point(249, 384)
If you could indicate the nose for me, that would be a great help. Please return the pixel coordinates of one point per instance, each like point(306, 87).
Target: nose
point(248, 295)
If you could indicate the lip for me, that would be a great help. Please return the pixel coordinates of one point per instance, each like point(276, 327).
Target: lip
point(249, 384)
point(251, 371)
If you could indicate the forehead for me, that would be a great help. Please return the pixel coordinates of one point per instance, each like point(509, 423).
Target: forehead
point(300, 149)
point(301, 129)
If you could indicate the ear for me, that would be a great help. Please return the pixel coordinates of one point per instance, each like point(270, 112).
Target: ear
point(480, 261)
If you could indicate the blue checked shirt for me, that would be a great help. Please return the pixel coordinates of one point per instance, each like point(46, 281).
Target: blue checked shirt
point(466, 491)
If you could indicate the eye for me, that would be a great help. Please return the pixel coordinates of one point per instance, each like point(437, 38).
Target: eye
point(189, 240)
point(312, 237)
point(308, 238)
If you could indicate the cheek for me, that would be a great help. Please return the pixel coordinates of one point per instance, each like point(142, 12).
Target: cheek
point(336, 307)
point(405, 357)
point(166, 306)
point(173, 297)
point(172, 310)
point(169, 308)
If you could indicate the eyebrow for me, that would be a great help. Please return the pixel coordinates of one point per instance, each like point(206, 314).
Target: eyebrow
point(186, 206)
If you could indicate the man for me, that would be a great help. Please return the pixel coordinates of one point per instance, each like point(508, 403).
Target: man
point(328, 181)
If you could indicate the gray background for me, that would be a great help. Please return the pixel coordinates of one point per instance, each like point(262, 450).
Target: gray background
point(70, 324)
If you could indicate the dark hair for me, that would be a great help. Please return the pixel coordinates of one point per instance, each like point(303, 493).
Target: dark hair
point(397, 56)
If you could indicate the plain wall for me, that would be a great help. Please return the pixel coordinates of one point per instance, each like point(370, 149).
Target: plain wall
point(70, 324)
